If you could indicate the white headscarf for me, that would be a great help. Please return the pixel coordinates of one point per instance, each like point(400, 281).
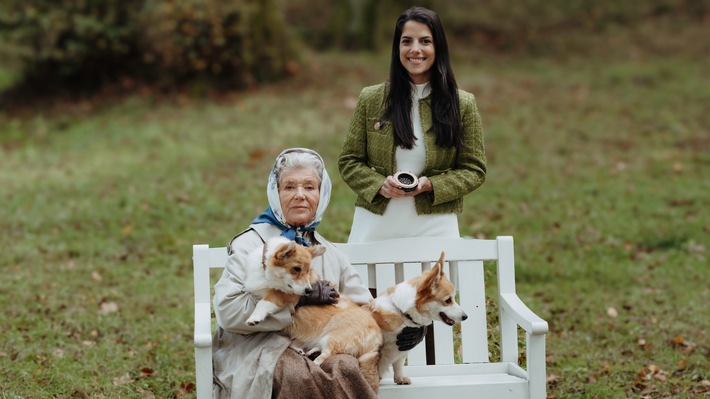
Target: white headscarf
point(272, 190)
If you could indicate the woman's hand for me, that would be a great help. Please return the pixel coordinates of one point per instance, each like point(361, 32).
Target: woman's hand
point(322, 294)
point(390, 188)
point(410, 337)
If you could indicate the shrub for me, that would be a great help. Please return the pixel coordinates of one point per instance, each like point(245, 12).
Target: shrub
point(70, 42)
point(83, 45)
point(232, 44)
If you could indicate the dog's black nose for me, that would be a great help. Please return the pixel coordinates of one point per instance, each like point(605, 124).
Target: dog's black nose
point(309, 290)
point(464, 317)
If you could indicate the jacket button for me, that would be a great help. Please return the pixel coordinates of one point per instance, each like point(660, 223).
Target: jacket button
point(372, 167)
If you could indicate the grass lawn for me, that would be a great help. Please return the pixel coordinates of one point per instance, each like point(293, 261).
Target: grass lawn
point(598, 166)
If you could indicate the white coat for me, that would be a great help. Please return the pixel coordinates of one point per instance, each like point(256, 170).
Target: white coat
point(245, 356)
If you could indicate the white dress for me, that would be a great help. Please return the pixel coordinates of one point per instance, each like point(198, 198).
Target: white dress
point(400, 218)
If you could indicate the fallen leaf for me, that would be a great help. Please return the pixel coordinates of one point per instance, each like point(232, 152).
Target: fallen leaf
point(145, 372)
point(255, 155)
point(185, 389)
point(108, 307)
point(611, 312)
point(638, 385)
point(606, 369)
point(145, 393)
point(122, 380)
point(550, 360)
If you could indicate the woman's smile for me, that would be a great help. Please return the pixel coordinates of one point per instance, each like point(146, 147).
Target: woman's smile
point(416, 51)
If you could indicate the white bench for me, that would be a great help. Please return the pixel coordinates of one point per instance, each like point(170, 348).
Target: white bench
point(383, 264)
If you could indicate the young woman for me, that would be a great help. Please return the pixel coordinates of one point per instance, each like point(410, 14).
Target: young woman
point(417, 122)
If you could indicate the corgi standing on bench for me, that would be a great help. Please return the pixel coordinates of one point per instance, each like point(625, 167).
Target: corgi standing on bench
point(413, 303)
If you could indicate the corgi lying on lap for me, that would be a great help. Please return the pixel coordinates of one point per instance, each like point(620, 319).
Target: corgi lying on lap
point(280, 273)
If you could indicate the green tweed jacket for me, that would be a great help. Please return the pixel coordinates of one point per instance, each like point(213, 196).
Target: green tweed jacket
point(368, 156)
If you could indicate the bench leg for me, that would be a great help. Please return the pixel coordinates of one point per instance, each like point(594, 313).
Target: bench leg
point(203, 372)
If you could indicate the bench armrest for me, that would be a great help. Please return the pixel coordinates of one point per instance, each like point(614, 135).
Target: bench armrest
point(203, 325)
point(529, 321)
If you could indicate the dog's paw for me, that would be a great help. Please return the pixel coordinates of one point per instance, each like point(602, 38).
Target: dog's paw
point(322, 357)
point(253, 322)
point(402, 380)
point(314, 351)
point(299, 351)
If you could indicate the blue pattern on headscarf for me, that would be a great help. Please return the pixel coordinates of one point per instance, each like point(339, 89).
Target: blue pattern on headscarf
point(289, 232)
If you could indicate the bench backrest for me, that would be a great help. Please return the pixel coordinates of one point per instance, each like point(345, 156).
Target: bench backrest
point(386, 263)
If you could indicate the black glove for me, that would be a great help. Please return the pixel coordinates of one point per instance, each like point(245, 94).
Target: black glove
point(410, 337)
point(323, 294)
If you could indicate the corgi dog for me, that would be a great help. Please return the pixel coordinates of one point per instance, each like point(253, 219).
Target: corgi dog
point(279, 272)
point(413, 303)
point(341, 328)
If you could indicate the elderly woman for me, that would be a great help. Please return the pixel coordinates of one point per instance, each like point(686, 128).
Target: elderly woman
point(256, 361)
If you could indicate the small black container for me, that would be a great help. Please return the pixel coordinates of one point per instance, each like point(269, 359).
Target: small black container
point(408, 181)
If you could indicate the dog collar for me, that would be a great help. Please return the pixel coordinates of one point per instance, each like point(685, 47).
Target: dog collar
point(410, 318)
point(407, 316)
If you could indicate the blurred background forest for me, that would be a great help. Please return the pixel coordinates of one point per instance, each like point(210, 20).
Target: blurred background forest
point(132, 129)
point(76, 47)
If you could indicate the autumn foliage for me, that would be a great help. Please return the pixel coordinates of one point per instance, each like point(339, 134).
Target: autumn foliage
point(84, 45)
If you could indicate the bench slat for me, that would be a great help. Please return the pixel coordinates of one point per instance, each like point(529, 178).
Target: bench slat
point(416, 356)
point(474, 334)
point(419, 249)
point(384, 277)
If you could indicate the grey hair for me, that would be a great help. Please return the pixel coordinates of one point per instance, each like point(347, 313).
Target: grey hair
point(299, 159)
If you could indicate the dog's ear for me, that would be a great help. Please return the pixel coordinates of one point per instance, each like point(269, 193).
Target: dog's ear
point(437, 272)
point(317, 250)
point(285, 250)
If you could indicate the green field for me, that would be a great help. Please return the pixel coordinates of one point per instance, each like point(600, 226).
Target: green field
point(598, 166)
